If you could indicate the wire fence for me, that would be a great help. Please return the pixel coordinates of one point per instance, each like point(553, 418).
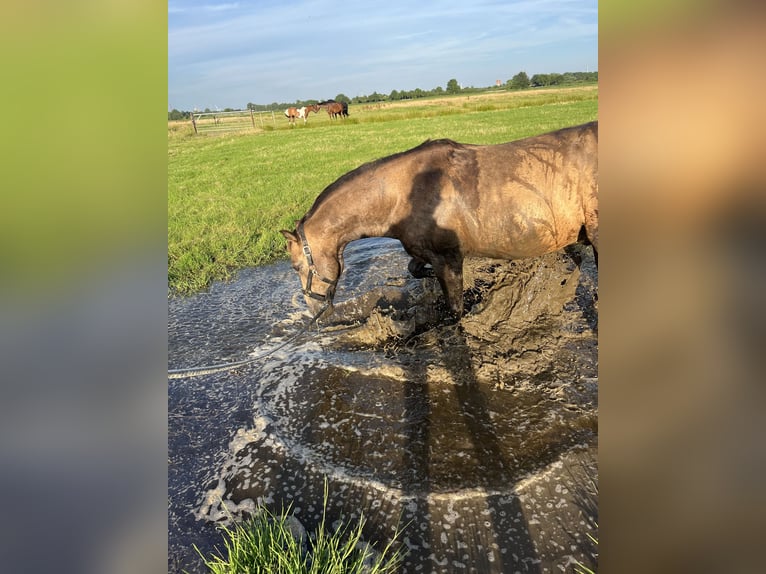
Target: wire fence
point(217, 122)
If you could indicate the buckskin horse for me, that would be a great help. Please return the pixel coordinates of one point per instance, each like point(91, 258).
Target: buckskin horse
point(445, 201)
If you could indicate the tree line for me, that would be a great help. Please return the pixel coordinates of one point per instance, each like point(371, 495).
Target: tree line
point(520, 81)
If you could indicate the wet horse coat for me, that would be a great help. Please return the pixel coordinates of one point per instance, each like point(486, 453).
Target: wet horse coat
point(446, 201)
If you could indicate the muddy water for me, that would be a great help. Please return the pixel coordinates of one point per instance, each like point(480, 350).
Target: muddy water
point(477, 439)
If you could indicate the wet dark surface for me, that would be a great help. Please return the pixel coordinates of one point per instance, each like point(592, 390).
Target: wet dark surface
point(478, 438)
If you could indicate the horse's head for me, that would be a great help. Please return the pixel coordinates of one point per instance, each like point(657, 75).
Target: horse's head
point(318, 271)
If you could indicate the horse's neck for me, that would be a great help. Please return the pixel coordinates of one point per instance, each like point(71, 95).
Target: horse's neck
point(352, 212)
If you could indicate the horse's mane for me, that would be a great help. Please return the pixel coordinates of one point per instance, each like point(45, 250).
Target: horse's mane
point(373, 165)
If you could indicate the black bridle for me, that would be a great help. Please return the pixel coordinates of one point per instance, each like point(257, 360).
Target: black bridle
point(328, 295)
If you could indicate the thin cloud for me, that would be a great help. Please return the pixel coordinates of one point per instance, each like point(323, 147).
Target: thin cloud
point(262, 52)
point(187, 8)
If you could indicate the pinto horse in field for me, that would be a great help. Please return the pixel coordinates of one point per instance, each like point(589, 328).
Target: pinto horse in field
point(302, 112)
point(446, 201)
point(292, 113)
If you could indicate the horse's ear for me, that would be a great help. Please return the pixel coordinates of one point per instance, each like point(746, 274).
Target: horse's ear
point(289, 235)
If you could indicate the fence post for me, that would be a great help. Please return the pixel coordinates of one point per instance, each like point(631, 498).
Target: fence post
point(252, 119)
point(194, 123)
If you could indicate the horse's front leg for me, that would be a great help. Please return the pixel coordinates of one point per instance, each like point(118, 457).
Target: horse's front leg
point(449, 272)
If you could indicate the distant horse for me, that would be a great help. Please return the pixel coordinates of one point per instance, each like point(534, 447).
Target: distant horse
point(302, 112)
point(335, 109)
point(291, 114)
point(312, 108)
point(446, 201)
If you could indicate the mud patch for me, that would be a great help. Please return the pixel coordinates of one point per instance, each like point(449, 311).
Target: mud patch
point(533, 320)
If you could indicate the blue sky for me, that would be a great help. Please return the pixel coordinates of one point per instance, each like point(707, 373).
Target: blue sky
point(228, 53)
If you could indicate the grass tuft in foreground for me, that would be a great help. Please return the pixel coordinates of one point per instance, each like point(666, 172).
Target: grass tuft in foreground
point(268, 543)
point(581, 568)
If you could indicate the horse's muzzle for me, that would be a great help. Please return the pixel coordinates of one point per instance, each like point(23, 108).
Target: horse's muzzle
point(317, 308)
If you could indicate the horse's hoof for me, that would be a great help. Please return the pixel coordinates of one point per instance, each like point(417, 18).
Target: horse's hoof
point(420, 270)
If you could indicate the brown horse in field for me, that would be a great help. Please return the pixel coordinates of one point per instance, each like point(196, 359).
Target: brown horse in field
point(312, 108)
point(446, 201)
point(335, 109)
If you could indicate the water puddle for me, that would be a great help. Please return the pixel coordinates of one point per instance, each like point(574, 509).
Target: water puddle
point(478, 439)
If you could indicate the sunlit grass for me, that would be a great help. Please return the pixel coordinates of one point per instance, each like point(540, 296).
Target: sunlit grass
point(581, 568)
point(266, 543)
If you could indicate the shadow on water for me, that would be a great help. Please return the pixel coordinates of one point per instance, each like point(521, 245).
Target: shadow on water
point(454, 528)
point(515, 548)
point(417, 413)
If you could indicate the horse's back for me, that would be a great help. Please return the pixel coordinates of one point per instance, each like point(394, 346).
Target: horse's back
point(538, 193)
point(517, 199)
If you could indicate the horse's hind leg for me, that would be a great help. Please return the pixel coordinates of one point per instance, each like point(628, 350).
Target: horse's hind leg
point(584, 238)
point(591, 228)
point(592, 233)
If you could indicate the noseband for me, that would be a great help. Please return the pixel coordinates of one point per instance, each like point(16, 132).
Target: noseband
point(328, 295)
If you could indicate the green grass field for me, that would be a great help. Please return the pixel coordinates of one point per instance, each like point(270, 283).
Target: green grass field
point(230, 194)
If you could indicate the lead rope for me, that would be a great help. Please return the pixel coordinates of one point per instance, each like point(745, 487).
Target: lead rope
point(199, 371)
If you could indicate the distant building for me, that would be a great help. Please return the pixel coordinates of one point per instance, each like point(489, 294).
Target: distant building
point(498, 83)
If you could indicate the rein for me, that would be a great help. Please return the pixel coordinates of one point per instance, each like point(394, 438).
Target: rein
point(199, 371)
point(328, 295)
point(325, 297)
